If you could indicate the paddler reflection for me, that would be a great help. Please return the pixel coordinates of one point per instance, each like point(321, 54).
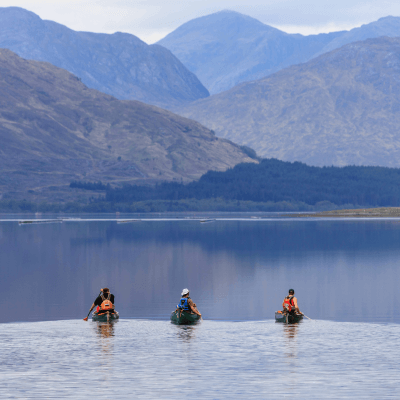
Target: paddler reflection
point(105, 345)
point(290, 330)
point(105, 330)
point(186, 333)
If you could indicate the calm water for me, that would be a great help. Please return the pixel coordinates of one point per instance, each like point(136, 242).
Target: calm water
point(236, 270)
point(142, 359)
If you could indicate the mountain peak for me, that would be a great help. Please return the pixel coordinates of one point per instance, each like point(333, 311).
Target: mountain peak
point(119, 64)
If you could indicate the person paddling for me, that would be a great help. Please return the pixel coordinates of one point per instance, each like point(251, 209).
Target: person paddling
point(186, 303)
point(104, 302)
point(290, 303)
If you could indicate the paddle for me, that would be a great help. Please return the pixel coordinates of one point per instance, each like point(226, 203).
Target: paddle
point(85, 319)
point(307, 317)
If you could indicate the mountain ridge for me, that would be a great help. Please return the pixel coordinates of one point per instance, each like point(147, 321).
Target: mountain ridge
point(119, 64)
point(340, 108)
point(53, 129)
point(227, 48)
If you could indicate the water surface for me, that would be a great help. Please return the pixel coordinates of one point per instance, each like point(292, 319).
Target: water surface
point(343, 270)
point(142, 359)
point(236, 270)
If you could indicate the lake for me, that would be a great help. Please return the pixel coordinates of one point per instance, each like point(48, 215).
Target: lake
point(345, 274)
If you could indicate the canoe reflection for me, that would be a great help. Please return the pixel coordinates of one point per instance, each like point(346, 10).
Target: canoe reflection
point(105, 330)
point(290, 334)
point(290, 330)
point(105, 333)
point(186, 332)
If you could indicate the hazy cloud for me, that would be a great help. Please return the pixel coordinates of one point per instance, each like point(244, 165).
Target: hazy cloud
point(151, 20)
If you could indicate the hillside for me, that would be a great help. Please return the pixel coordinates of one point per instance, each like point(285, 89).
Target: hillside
point(53, 129)
point(228, 48)
point(341, 108)
point(119, 64)
point(270, 184)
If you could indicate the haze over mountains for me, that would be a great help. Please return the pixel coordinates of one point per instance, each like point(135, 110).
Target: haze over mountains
point(119, 64)
point(227, 48)
point(53, 130)
point(341, 108)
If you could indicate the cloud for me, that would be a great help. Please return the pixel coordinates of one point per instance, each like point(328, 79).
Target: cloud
point(151, 20)
point(315, 30)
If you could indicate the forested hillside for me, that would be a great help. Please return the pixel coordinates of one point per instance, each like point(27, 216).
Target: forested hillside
point(273, 181)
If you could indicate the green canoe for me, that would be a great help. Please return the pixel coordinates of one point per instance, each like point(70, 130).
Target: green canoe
point(184, 318)
point(287, 318)
point(105, 317)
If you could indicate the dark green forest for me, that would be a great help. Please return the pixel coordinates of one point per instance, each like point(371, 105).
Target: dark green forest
point(271, 185)
point(271, 181)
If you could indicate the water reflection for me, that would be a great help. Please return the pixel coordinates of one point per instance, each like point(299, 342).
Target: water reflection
point(105, 330)
point(290, 331)
point(105, 335)
point(291, 354)
point(234, 270)
point(186, 332)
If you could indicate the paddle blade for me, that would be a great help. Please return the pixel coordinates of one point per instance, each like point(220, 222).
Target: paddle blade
point(85, 319)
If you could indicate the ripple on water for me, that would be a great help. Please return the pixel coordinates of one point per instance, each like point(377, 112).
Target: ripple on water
point(213, 360)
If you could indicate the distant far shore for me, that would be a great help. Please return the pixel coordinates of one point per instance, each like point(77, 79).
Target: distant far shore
point(183, 205)
point(382, 212)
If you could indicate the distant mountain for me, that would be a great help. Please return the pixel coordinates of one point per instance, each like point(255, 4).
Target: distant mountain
point(387, 26)
point(228, 48)
point(119, 64)
point(341, 108)
point(53, 130)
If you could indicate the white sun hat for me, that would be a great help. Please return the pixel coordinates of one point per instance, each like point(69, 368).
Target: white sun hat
point(184, 292)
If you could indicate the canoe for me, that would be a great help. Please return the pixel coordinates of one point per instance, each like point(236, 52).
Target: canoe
point(184, 318)
point(287, 318)
point(105, 317)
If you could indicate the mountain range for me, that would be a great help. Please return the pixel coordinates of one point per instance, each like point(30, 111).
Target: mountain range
point(341, 108)
point(227, 48)
point(53, 129)
point(119, 64)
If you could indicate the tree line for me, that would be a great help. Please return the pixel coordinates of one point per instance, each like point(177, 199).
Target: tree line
point(272, 181)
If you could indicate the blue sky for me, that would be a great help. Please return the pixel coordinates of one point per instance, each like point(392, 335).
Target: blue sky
point(151, 20)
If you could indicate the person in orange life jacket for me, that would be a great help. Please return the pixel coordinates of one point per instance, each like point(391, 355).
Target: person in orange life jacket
point(104, 302)
point(186, 303)
point(290, 303)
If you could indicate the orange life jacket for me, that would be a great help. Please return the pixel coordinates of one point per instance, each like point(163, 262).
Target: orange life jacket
point(288, 303)
point(106, 304)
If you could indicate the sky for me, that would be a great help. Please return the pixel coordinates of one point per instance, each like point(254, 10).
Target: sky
point(151, 20)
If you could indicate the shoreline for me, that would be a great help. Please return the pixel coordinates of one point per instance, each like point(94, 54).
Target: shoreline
point(381, 212)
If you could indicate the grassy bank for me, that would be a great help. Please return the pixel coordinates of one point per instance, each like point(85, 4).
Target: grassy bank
point(381, 212)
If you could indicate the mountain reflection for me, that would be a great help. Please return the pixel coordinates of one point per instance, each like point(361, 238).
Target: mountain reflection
point(234, 270)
